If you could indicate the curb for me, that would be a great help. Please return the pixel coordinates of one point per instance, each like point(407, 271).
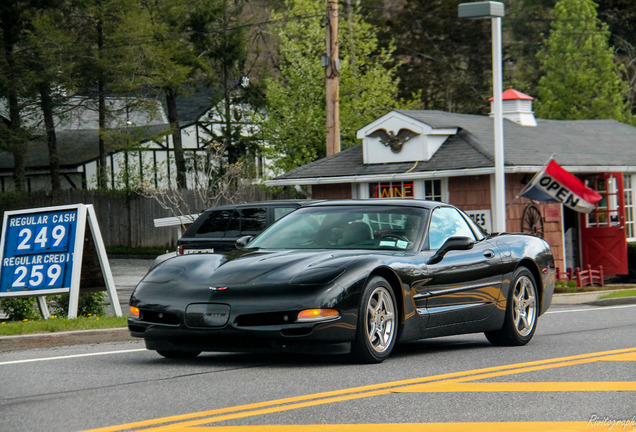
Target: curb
point(56, 339)
point(612, 301)
point(591, 298)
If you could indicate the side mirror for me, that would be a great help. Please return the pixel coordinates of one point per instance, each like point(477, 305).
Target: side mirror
point(243, 241)
point(452, 243)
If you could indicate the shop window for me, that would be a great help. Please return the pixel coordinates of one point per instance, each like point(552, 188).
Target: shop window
point(433, 190)
point(390, 189)
point(606, 212)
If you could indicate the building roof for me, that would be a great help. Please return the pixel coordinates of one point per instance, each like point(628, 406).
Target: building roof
point(580, 145)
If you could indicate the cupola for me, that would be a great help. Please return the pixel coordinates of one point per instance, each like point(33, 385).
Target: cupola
point(516, 107)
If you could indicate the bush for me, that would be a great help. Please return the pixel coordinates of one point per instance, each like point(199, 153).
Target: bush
point(20, 308)
point(90, 304)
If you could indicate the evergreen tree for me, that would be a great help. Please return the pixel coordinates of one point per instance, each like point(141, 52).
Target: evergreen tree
point(579, 77)
point(48, 44)
point(14, 85)
point(220, 36)
point(167, 61)
point(101, 61)
point(295, 126)
point(445, 58)
point(620, 16)
point(524, 26)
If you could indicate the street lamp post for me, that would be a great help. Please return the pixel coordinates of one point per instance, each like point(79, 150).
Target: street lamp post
point(495, 11)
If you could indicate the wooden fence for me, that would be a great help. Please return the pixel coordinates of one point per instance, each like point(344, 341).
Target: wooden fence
point(126, 220)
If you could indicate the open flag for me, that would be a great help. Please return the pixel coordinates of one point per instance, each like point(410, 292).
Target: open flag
point(553, 183)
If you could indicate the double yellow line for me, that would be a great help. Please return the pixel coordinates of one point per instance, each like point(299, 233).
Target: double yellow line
point(451, 382)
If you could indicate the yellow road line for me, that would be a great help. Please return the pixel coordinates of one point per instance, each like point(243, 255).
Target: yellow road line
point(421, 427)
point(443, 382)
point(521, 387)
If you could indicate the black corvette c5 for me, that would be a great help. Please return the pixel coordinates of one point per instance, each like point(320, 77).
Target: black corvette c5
point(348, 277)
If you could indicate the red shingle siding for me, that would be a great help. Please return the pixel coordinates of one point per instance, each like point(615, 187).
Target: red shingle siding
point(469, 193)
point(331, 191)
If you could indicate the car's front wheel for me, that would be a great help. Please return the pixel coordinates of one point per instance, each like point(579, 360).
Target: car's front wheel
point(520, 321)
point(176, 354)
point(377, 323)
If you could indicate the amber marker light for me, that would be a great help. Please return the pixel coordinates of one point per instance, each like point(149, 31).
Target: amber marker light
point(134, 311)
point(311, 315)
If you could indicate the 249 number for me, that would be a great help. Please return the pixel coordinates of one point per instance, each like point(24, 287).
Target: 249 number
point(46, 238)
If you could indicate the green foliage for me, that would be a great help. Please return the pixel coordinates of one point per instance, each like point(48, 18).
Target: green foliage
point(295, 126)
point(580, 80)
point(90, 304)
point(619, 294)
point(57, 323)
point(446, 59)
point(20, 308)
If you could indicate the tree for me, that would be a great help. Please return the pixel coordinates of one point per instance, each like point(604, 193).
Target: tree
point(220, 37)
point(620, 16)
point(167, 61)
point(101, 61)
point(447, 59)
point(14, 87)
point(524, 26)
point(295, 125)
point(579, 77)
point(48, 43)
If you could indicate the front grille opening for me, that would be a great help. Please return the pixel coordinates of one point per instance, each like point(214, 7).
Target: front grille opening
point(266, 319)
point(301, 331)
point(159, 317)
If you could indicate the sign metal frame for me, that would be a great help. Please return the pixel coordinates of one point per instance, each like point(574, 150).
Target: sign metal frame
point(85, 214)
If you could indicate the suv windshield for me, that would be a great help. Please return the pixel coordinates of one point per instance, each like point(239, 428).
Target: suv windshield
point(346, 227)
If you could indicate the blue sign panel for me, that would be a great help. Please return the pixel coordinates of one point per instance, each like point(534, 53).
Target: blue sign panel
point(38, 250)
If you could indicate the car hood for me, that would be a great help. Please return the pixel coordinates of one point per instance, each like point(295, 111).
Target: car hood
point(242, 268)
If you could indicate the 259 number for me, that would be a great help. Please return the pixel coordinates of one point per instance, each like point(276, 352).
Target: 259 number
point(38, 276)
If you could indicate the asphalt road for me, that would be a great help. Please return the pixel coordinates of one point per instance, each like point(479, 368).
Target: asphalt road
point(578, 373)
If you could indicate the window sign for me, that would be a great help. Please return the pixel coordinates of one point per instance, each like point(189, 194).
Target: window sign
point(41, 253)
point(391, 190)
point(481, 218)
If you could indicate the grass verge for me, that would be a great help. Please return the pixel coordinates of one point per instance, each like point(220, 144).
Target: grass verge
point(56, 324)
point(619, 294)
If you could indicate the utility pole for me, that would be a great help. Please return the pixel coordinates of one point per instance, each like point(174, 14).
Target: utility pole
point(333, 97)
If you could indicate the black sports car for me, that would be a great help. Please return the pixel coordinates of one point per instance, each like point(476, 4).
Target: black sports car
point(348, 277)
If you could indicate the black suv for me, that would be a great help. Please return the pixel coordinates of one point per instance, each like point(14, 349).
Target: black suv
point(218, 228)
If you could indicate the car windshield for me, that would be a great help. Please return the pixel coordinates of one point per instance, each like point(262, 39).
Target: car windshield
point(346, 227)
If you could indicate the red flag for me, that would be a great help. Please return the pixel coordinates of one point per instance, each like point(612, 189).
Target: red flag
point(553, 183)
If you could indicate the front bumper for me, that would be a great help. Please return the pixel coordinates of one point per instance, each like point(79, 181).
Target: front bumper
point(330, 337)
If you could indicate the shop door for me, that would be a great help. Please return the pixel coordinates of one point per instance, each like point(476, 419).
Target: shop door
point(603, 240)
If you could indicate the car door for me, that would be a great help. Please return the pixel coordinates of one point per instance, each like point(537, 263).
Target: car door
point(466, 284)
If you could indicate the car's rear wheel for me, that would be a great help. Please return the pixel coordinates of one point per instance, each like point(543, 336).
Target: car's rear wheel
point(377, 323)
point(176, 354)
point(521, 316)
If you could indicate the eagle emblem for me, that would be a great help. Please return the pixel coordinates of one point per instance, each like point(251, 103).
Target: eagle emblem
point(390, 139)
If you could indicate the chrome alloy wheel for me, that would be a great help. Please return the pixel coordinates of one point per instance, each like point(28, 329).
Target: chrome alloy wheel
point(380, 319)
point(524, 307)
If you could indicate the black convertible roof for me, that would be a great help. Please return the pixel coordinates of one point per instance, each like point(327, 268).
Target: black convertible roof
point(382, 202)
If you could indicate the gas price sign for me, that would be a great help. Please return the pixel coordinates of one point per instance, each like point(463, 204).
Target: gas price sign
point(37, 250)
